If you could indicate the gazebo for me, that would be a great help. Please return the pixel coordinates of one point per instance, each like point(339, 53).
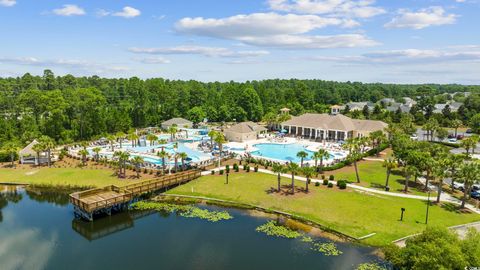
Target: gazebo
point(285, 110)
point(29, 156)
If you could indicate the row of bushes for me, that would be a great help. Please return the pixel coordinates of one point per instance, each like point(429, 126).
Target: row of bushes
point(341, 184)
point(236, 168)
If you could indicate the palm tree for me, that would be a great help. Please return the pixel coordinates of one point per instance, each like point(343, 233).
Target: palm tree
point(38, 148)
point(212, 134)
point(389, 164)
point(152, 138)
point(162, 142)
point(409, 170)
point(353, 146)
point(122, 162)
point(309, 172)
point(376, 138)
point(163, 155)
point(469, 173)
point(302, 155)
point(120, 136)
point(456, 123)
point(439, 172)
point(321, 154)
point(220, 140)
point(172, 130)
point(47, 143)
point(11, 148)
point(183, 156)
point(117, 155)
point(467, 144)
point(176, 157)
point(279, 169)
point(293, 168)
point(451, 165)
point(137, 161)
point(83, 153)
point(111, 140)
point(97, 150)
point(133, 137)
point(475, 139)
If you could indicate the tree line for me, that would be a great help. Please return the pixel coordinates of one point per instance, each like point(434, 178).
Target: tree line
point(68, 108)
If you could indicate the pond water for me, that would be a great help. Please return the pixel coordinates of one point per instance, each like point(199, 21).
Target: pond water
point(38, 231)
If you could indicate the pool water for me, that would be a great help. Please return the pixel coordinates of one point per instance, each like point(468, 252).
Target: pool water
point(282, 152)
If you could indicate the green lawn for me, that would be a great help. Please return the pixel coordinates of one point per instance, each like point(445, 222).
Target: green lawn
point(348, 211)
point(373, 175)
point(61, 177)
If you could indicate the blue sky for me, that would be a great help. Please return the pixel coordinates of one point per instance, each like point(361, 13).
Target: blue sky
point(408, 41)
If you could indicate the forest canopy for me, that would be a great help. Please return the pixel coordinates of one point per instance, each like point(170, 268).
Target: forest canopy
point(68, 108)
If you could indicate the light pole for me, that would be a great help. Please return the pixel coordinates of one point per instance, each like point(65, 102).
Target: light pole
point(226, 175)
point(401, 216)
point(428, 205)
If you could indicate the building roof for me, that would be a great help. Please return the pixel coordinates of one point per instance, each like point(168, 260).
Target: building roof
point(28, 150)
point(285, 109)
point(177, 121)
point(246, 127)
point(334, 122)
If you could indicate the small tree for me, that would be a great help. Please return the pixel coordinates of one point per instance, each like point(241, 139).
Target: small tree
point(137, 161)
point(278, 169)
point(293, 168)
point(309, 172)
point(97, 150)
point(389, 164)
point(302, 155)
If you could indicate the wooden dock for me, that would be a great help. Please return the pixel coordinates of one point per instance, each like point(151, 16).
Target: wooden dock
point(103, 200)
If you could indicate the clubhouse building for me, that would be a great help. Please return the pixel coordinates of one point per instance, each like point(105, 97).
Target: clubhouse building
point(330, 127)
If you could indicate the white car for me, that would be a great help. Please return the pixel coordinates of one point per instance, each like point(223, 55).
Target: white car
point(459, 186)
point(414, 137)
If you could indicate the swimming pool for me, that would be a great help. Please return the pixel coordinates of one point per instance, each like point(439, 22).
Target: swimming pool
point(193, 155)
point(282, 152)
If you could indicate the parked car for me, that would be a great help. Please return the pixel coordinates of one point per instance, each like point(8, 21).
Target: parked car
point(469, 131)
point(451, 136)
point(459, 137)
point(414, 136)
point(475, 194)
point(452, 140)
point(458, 186)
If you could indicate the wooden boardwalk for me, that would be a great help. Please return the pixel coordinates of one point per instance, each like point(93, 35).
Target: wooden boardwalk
point(104, 200)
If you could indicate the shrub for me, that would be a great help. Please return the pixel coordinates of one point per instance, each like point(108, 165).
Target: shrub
point(247, 168)
point(213, 172)
point(235, 166)
point(325, 182)
point(227, 168)
point(323, 176)
point(237, 169)
point(330, 185)
point(331, 177)
point(221, 172)
point(317, 184)
point(255, 169)
point(342, 184)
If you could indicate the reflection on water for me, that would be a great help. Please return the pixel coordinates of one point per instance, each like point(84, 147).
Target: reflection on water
point(38, 232)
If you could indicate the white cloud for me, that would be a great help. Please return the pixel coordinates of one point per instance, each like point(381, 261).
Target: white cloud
point(102, 13)
point(153, 60)
point(410, 56)
point(8, 3)
point(348, 8)
point(78, 65)
point(432, 16)
point(69, 10)
point(274, 30)
point(128, 12)
point(201, 50)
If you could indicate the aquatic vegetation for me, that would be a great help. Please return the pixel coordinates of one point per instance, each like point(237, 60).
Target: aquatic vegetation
point(272, 229)
point(328, 249)
point(370, 266)
point(188, 211)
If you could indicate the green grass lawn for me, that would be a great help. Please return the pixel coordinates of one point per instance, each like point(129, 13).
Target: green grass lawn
point(373, 175)
point(61, 177)
point(347, 211)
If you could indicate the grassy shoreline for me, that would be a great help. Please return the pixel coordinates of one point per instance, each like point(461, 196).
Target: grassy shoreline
point(349, 212)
